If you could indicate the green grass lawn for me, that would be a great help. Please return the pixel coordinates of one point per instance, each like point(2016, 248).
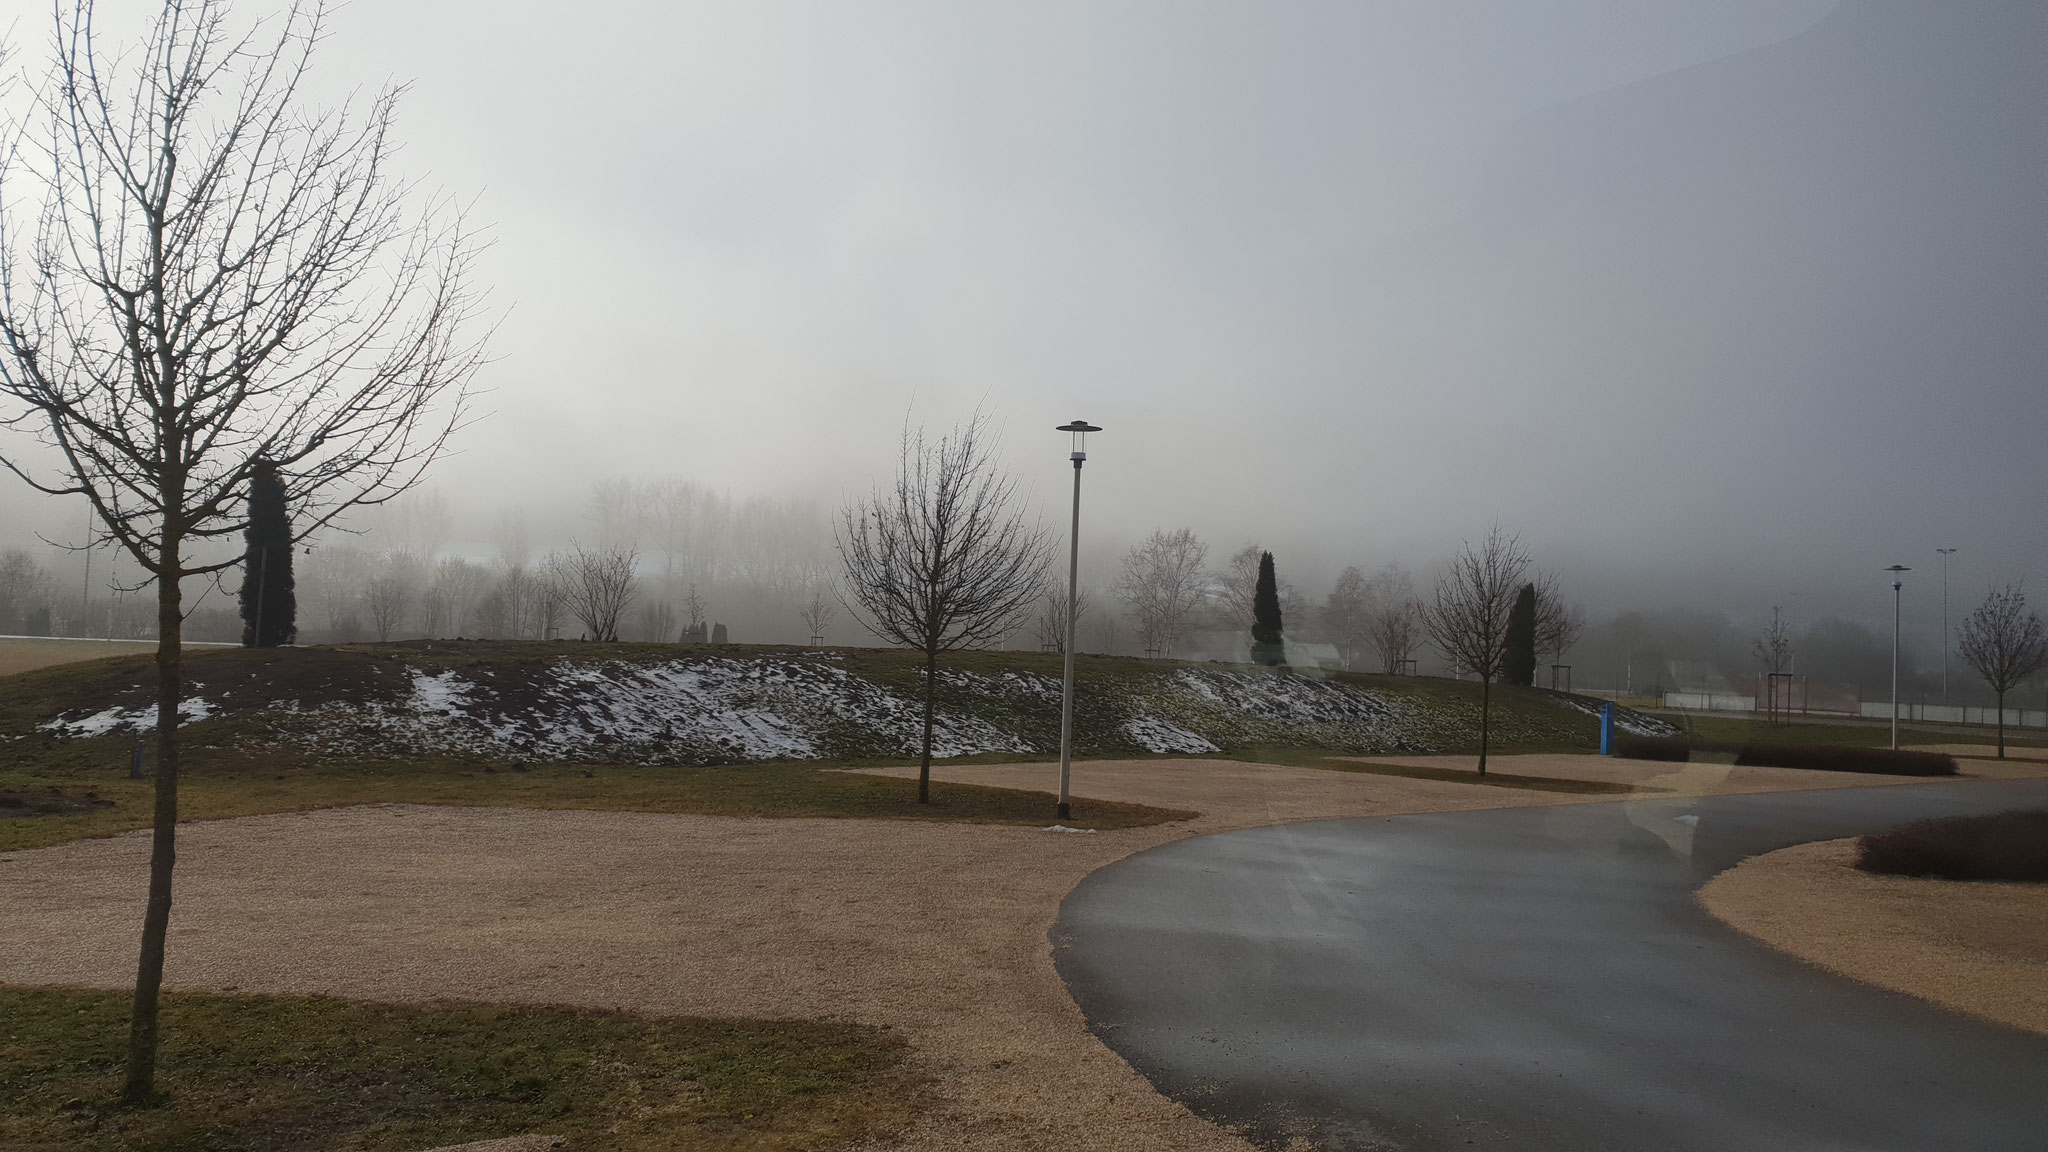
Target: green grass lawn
point(263, 1073)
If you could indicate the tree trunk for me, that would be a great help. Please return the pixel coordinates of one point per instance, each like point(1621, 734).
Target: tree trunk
point(2001, 724)
point(931, 688)
point(156, 918)
point(1485, 714)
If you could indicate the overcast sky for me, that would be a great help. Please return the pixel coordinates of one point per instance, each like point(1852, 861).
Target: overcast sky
point(1727, 304)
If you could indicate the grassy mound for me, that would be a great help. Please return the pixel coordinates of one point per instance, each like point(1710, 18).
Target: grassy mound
point(2005, 846)
point(262, 1073)
point(728, 704)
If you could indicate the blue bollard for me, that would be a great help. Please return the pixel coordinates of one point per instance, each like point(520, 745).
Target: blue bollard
point(1607, 729)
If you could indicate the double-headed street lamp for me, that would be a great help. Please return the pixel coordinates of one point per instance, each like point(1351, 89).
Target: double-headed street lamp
point(1080, 430)
point(1895, 570)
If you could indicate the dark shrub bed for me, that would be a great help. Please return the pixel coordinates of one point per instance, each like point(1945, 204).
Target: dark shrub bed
point(1652, 747)
point(1842, 758)
point(2007, 846)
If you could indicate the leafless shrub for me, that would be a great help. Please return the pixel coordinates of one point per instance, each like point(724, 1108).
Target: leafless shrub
point(1164, 586)
point(818, 611)
point(1467, 618)
point(939, 561)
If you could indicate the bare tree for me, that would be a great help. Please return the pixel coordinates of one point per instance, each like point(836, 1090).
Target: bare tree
point(216, 275)
point(1394, 624)
point(693, 607)
point(2005, 643)
point(22, 584)
point(1049, 624)
point(818, 612)
point(1558, 623)
point(389, 594)
point(451, 596)
point(1163, 586)
point(940, 562)
point(1774, 647)
point(1347, 615)
point(1467, 618)
point(1236, 586)
point(595, 585)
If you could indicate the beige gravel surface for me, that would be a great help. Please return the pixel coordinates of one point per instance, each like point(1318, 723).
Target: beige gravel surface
point(938, 929)
point(1980, 948)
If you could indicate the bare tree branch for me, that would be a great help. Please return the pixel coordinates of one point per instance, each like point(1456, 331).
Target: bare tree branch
point(595, 585)
point(199, 273)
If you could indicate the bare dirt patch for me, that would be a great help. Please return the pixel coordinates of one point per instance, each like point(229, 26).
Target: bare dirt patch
point(940, 930)
point(1976, 947)
point(27, 653)
point(21, 803)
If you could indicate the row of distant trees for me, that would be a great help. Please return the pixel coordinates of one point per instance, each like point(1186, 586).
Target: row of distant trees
point(1168, 589)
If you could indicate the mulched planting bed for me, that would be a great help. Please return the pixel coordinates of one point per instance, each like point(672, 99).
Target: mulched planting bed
point(2005, 846)
point(18, 803)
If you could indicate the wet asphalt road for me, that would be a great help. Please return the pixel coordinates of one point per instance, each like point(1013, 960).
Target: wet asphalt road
point(1534, 978)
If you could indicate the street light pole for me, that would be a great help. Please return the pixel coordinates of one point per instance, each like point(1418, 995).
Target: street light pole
point(1895, 570)
point(1945, 554)
point(1080, 430)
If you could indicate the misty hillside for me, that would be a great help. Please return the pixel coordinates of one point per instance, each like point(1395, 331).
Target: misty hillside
point(667, 704)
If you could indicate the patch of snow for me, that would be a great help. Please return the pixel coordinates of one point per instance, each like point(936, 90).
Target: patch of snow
point(1156, 735)
point(118, 719)
point(1064, 828)
point(1627, 719)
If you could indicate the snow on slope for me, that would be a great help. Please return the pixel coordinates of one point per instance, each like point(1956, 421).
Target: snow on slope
point(706, 709)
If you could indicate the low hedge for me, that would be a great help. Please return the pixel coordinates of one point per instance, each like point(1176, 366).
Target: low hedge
point(1652, 747)
point(1842, 758)
point(2007, 846)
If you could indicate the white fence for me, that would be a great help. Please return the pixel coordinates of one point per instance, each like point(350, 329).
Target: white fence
point(1710, 701)
point(1956, 714)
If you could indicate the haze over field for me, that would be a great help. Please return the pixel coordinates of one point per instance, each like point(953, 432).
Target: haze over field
point(1719, 306)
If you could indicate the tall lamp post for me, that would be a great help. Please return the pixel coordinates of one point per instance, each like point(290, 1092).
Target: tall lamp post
point(1896, 570)
point(1080, 430)
point(1945, 554)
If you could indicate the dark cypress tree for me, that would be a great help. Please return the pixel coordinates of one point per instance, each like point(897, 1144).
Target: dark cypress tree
point(1267, 647)
point(1518, 663)
point(267, 564)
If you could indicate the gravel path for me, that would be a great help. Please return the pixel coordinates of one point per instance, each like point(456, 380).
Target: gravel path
point(938, 929)
point(1979, 948)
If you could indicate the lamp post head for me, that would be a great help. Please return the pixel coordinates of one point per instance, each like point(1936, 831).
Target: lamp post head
point(1080, 429)
point(1895, 570)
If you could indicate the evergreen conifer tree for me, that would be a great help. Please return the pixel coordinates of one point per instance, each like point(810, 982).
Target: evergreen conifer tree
point(267, 589)
point(1519, 664)
point(1267, 646)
